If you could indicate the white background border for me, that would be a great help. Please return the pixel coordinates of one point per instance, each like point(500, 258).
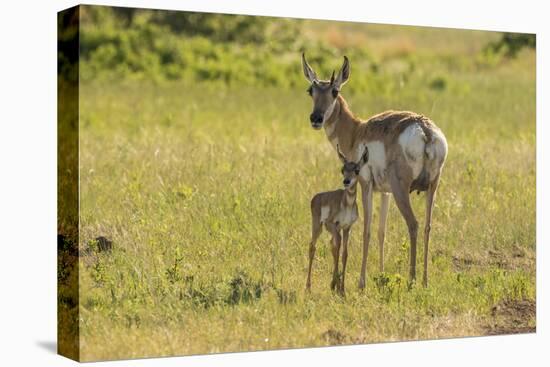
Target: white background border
point(28, 180)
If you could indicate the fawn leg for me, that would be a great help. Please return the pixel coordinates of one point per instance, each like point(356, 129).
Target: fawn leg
point(315, 232)
point(336, 241)
point(344, 259)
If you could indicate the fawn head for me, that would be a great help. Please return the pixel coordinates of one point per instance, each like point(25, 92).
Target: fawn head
point(351, 169)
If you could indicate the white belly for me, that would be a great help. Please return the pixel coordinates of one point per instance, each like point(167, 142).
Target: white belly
point(375, 169)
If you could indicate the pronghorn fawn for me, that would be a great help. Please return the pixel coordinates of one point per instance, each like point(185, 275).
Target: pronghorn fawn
point(337, 211)
point(407, 152)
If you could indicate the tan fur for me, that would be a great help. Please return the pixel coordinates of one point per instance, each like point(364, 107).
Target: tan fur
point(385, 127)
point(423, 149)
point(337, 211)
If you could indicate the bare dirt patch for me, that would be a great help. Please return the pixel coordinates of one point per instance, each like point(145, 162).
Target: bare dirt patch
point(512, 317)
point(515, 259)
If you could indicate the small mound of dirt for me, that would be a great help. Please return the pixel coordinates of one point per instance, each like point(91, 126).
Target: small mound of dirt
point(513, 317)
point(463, 263)
point(104, 244)
point(98, 245)
point(334, 337)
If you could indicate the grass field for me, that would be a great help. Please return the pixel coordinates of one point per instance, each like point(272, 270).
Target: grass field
point(204, 190)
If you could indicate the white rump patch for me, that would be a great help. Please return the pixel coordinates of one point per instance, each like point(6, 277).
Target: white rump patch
point(436, 151)
point(325, 211)
point(413, 143)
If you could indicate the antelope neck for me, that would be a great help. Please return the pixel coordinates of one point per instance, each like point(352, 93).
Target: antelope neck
point(341, 125)
point(350, 194)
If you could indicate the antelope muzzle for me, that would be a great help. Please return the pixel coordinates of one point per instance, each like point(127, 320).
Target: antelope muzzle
point(316, 119)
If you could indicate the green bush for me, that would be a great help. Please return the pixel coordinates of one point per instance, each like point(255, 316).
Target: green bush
point(164, 45)
point(511, 43)
point(120, 43)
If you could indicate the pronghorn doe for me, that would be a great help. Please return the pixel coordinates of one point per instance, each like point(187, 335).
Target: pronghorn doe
point(337, 210)
point(407, 153)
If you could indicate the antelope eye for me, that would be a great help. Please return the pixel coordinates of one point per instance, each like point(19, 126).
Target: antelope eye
point(356, 171)
point(335, 93)
point(310, 91)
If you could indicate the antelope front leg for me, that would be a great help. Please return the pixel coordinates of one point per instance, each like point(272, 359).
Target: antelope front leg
point(311, 256)
point(384, 209)
point(366, 192)
point(344, 259)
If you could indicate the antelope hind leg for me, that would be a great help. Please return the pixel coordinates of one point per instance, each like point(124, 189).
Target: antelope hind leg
point(400, 191)
point(430, 198)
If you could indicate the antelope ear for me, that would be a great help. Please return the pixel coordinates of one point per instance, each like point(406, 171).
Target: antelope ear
point(340, 154)
point(343, 74)
point(308, 71)
point(365, 157)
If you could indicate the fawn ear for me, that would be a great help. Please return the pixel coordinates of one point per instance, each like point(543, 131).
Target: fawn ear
point(340, 154)
point(308, 71)
point(365, 157)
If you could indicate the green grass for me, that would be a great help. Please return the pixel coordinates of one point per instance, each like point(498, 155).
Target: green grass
point(204, 190)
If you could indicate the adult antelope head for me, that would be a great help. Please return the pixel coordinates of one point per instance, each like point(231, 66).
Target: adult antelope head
point(324, 92)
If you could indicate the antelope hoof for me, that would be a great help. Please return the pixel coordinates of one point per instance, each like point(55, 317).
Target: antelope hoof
point(361, 284)
point(425, 282)
point(341, 290)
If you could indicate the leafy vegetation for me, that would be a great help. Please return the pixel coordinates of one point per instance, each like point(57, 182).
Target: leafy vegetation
point(511, 43)
point(202, 180)
point(236, 50)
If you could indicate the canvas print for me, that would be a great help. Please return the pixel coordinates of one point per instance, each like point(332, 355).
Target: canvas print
point(233, 183)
